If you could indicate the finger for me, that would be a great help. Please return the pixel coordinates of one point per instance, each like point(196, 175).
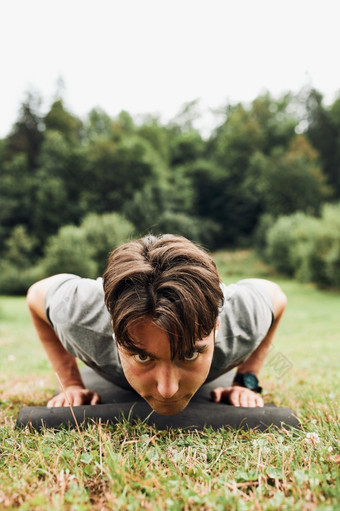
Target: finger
point(50, 403)
point(55, 401)
point(220, 394)
point(259, 401)
point(95, 399)
point(234, 397)
point(251, 398)
point(78, 399)
point(216, 394)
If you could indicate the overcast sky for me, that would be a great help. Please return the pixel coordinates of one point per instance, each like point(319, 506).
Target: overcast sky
point(152, 56)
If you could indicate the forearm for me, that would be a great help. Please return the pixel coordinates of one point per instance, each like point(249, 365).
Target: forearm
point(63, 363)
point(256, 360)
point(237, 394)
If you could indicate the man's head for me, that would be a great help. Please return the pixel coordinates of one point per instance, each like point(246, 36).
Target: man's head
point(163, 294)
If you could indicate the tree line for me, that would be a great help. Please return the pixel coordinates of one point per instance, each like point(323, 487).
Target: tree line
point(272, 157)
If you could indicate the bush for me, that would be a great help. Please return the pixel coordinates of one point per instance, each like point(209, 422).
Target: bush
point(104, 233)
point(324, 256)
point(84, 250)
point(199, 230)
point(306, 247)
point(69, 252)
point(15, 280)
point(260, 234)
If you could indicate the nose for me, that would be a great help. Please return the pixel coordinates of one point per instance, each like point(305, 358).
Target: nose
point(167, 381)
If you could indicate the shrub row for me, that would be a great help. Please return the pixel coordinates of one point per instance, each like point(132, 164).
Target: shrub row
point(83, 250)
point(304, 247)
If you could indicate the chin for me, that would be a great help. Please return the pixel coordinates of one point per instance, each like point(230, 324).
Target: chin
point(168, 410)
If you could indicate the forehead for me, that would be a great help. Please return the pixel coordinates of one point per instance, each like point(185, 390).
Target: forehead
point(149, 337)
point(146, 334)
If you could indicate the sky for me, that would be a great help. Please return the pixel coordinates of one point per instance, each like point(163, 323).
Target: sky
point(153, 56)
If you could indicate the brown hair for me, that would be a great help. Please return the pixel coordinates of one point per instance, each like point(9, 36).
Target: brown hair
point(168, 279)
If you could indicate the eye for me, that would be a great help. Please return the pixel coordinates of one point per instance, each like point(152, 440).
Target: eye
point(190, 357)
point(142, 358)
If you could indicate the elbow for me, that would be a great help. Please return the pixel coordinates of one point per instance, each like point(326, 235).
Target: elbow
point(280, 302)
point(35, 299)
point(31, 296)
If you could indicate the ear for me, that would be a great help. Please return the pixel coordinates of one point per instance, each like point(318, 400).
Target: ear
point(217, 325)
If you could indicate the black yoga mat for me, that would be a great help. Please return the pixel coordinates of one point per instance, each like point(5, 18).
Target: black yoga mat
point(117, 403)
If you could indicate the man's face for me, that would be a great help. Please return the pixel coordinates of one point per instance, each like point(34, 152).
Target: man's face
point(167, 385)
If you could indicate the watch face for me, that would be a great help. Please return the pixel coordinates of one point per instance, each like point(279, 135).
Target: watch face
point(250, 381)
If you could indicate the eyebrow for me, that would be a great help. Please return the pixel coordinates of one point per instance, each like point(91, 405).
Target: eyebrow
point(135, 350)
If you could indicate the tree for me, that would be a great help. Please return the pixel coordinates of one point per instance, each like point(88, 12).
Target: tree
point(60, 183)
point(59, 119)
point(157, 135)
point(98, 124)
point(84, 250)
point(186, 147)
point(289, 181)
point(324, 133)
point(16, 196)
point(27, 134)
point(19, 248)
point(116, 170)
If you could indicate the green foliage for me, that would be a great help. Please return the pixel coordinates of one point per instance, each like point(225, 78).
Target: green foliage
point(84, 250)
point(59, 119)
point(324, 133)
point(15, 280)
point(58, 193)
point(186, 147)
point(56, 169)
point(69, 252)
point(306, 247)
point(294, 180)
point(97, 124)
point(204, 231)
point(16, 196)
point(27, 134)
point(20, 247)
point(115, 170)
point(157, 135)
point(104, 233)
point(288, 244)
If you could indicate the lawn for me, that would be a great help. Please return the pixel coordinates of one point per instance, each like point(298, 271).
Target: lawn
point(135, 467)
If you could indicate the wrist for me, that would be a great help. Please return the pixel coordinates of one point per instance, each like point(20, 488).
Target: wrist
point(247, 380)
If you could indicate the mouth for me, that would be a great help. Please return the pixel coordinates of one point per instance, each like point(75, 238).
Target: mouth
point(169, 402)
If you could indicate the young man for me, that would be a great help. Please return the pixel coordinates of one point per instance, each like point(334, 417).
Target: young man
point(160, 321)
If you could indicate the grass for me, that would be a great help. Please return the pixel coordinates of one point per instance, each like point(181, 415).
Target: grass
point(133, 467)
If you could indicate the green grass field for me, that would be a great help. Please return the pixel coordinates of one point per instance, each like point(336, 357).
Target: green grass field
point(133, 467)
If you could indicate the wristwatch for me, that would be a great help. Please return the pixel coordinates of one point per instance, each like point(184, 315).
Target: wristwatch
point(248, 380)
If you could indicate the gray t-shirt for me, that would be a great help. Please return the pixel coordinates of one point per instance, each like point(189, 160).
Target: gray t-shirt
point(76, 310)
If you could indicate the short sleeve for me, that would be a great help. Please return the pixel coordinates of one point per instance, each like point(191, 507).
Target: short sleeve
point(76, 310)
point(245, 318)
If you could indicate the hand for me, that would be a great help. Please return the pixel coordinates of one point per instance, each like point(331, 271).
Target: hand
point(76, 396)
point(237, 396)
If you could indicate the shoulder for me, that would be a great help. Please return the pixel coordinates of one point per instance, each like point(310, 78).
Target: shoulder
point(268, 291)
point(256, 289)
point(37, 292)
point(72, 299)
point(248, 302)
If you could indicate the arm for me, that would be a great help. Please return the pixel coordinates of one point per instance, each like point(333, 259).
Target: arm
point(63, 363)
point(241, 396)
